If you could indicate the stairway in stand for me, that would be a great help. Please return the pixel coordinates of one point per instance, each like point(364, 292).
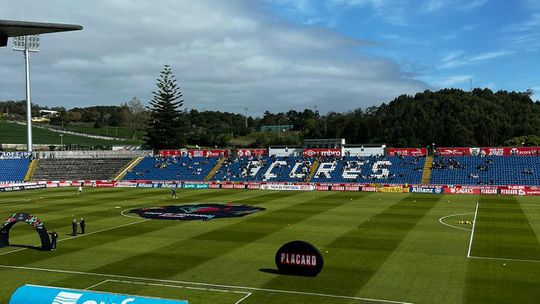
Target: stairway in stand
point(426, 175)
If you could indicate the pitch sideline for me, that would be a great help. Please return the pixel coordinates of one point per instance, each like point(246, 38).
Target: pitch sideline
point(117, 276)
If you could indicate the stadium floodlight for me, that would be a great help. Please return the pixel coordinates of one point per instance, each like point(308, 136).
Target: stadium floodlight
point(27, 44)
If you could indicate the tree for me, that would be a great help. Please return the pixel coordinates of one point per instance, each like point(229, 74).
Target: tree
point(134, 116)
point(165, 124)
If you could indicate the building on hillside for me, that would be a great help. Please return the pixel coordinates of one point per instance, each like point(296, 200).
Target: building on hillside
point(276, 128)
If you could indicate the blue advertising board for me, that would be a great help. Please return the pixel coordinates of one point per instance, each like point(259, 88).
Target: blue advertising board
point(195, 186)
point(431, 190)
point(51, 295)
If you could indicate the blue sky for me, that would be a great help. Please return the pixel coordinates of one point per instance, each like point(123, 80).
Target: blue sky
point(336, 55)
point(446, 43)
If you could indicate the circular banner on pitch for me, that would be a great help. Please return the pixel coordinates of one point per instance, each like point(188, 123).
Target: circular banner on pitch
point(196, 211)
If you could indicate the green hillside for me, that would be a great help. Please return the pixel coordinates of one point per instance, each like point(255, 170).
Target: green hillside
point(11, 133)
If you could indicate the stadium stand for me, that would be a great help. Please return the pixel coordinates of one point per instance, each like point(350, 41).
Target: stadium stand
point(264, 169)
point(488, 170)
point(371, 169)
point(13, 170)
point(78, 168)
point(172, 168)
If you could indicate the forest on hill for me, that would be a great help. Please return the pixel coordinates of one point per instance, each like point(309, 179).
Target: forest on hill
point(449, 117)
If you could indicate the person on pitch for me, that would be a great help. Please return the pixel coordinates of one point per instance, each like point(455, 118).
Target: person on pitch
point(173, 193)
point(82, 223)
point(74, 225)
point(79, 190)
point(54, 238)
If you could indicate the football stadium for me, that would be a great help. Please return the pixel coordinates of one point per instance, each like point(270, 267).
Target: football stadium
point(431, 197)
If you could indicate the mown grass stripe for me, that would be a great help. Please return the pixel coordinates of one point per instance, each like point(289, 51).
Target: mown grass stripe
point(502, 231)
point(87, 244)
point(207, 246)
point(63, 226)
point(356, 256)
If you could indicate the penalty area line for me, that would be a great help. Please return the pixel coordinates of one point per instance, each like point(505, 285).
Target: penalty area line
point(96, 285)
point(472, 231)
point(244, 294)
point(503, 259)
point(252, 289)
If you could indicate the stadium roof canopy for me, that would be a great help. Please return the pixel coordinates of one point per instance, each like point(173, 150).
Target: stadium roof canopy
point(10, 28)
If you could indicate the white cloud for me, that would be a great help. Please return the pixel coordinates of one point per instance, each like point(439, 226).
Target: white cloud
point(463, 5)
point(225, 54)
point(489, 55)
point(456, 59)
point(453, 81)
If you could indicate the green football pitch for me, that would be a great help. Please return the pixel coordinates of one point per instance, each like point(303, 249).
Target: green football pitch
point(378, 248)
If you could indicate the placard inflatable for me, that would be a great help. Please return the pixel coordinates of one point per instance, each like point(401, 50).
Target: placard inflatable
point(299, 258)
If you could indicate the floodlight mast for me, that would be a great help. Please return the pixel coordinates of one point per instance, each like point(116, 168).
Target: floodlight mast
point(27, 44)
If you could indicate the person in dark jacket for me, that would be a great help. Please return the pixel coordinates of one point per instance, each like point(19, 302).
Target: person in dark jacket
point(54, 238)
point(74, 225)
point(82, 223)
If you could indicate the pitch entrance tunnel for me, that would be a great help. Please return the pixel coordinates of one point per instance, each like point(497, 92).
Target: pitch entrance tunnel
point(29, 219)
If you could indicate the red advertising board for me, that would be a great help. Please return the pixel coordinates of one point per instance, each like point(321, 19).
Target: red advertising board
point(168, 153)
point(453, 151)
point(508, 151)
point(407, 151)
point(251, 152)
point(209, 153)
point(338, 188)
point(322, 152)
point(489, 151)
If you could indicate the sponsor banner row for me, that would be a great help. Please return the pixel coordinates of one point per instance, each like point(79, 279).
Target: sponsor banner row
point(407, 151)
point(9, 155)
point(195, 153)
point(22, 187)
point(490, 151)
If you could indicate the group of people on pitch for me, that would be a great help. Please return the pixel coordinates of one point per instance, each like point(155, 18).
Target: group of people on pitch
point(74, 228)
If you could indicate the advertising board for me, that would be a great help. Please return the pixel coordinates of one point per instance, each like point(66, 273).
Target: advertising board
point(407, 151)
point(322, 152)
point(46, 295)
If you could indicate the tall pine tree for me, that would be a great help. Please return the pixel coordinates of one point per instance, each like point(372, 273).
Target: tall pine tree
point(165, 124)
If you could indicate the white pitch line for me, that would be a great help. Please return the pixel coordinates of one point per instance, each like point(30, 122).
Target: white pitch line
point(178, 286)
point(472, 231)
point(504, 259)
point(103, 230)
point(245, 293)
point(83, 235)
point(96, 285)
point(441, 220)
point(204, 284)
point(13, 251)
point(242, 299)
